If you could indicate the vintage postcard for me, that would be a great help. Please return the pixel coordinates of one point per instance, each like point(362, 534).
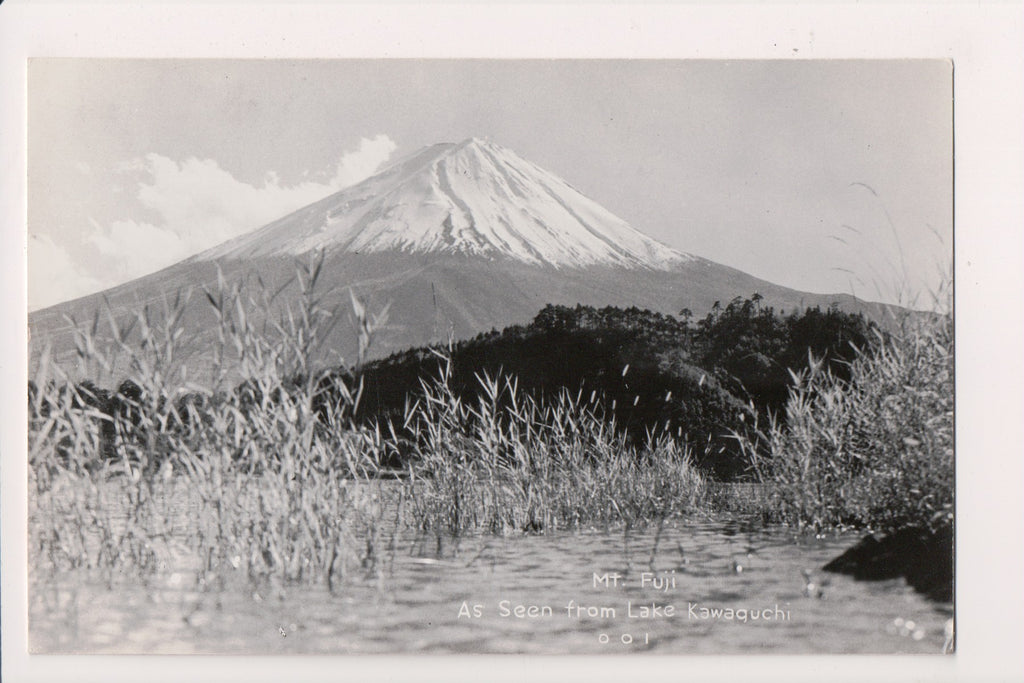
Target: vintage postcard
point(490, 356)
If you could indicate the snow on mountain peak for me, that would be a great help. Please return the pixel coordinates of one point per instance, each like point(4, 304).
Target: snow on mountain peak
point(472, 197)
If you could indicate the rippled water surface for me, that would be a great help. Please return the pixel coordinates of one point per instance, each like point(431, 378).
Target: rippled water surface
point(437, 595)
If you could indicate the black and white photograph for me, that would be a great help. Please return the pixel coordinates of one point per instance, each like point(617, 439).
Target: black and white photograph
point(491, 356)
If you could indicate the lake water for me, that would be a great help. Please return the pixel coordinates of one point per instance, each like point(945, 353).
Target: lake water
point(587, 592)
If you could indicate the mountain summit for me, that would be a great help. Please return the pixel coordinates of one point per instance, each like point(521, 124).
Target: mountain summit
point(473, 197)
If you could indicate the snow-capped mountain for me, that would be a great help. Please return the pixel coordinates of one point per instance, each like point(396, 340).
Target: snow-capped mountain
point(473, 197)
point(457, 239)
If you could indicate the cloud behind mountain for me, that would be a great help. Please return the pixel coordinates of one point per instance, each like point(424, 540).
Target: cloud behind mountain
point(192, 205)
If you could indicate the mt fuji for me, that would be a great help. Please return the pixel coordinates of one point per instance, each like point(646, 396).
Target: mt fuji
point(474, 198)
point(457, 239)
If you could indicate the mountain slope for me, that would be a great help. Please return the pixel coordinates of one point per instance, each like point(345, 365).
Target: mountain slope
point(457, 239)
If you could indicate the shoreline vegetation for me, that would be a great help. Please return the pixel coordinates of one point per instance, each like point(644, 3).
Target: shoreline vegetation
point(584, 418)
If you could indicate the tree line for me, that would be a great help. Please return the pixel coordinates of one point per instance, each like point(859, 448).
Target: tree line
point(699, 381)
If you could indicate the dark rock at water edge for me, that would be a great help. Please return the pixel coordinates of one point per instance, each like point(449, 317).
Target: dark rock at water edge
point(923, 557)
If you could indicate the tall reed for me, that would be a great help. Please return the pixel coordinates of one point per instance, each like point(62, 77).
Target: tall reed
point(875, 451)
point(509, 462)
point(267, 480)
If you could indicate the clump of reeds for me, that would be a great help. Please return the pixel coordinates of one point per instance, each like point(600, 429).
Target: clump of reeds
point(875, 451)
point(510, 462)
point(267, 479)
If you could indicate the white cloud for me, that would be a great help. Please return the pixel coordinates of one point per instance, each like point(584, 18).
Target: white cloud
point(53, 276)
point(203, 205)
point(363, 162)
point(195, 204)
point(150, 248)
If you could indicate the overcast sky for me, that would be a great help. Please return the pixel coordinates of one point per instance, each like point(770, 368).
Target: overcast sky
point(824, 176)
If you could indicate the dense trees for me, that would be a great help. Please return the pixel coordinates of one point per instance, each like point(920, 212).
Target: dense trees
point(752, 349)
point(653, 373)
